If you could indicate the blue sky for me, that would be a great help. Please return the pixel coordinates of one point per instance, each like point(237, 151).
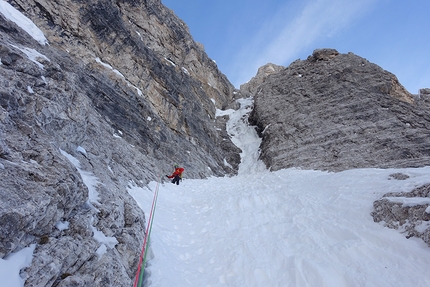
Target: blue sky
point(242, 35)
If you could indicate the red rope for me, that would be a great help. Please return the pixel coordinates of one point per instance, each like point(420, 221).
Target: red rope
point(148, 226)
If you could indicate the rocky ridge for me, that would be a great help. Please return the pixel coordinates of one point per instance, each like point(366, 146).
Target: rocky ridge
point(339, 111)
point(251, 88)
point(123, 90)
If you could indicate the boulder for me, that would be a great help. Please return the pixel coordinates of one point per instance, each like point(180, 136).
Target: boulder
point(412, 220)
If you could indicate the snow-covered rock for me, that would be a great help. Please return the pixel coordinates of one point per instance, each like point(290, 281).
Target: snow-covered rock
point(406, 211)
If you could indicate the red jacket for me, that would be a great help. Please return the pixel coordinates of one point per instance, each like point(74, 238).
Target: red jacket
point(178, 171)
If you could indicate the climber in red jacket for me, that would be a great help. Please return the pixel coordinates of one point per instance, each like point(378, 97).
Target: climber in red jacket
point(177, 174)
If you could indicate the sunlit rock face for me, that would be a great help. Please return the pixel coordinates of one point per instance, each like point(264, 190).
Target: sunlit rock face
point(337, 111)
point(251, 87)
point(120, 94)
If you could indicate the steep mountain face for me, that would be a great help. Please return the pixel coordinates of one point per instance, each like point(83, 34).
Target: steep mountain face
point(144, 49)
point(339, 111)
point(120, 94)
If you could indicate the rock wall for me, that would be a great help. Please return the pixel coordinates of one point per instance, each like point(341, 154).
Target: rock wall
point(143, 48)
point(123, 89)
point(252, 87)
point(412, 220)
point(339, 111)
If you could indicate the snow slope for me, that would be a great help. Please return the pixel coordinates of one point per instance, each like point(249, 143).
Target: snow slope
point(286, 228)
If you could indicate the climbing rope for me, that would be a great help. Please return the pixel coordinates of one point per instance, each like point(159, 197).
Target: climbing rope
point(138, 281)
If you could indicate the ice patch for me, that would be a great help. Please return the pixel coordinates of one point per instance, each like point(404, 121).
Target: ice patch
point(101, 251)
point(62, 225)
point(32, 55)
point(170, 61)
point(81, 150)
point(23, 22)
point(102, 238)
point(227, 164)
point(109, 67)
point(221, 113)
point(185, 71)
point(246, 138)
point(87, 177)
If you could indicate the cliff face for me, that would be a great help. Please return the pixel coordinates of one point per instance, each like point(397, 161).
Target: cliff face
point(338, 111)
point(155, 67)
point(120, 94)
point(252, 87)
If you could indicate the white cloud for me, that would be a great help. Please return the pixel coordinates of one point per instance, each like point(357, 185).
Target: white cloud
point(282, 39)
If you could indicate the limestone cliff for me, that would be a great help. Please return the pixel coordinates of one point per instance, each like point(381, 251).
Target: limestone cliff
point(123, 89)
point(142, 47)
point(252, 87)
point(339, 111)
